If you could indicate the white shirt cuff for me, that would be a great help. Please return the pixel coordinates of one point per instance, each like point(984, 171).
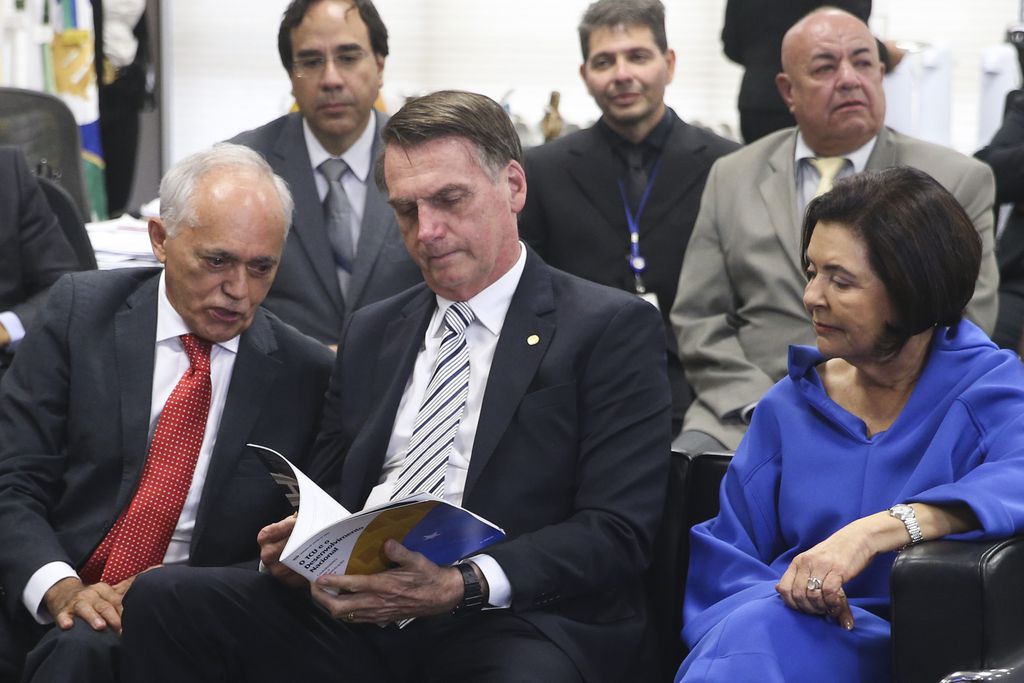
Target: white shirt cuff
point(43, 580)
point(15, 330)
point(499, 591)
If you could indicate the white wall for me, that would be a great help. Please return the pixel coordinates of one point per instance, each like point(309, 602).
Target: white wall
point(224, 75)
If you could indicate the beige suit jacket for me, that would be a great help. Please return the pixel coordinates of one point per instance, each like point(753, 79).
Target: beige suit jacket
point(740, 299)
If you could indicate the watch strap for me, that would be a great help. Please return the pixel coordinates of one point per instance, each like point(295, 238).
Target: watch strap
point(472, 596)
point(905, 514)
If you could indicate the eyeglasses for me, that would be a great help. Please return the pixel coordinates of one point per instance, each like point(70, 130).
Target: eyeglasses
point(314, 65)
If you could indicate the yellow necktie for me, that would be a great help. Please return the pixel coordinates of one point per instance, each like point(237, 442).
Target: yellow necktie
point(828, 168)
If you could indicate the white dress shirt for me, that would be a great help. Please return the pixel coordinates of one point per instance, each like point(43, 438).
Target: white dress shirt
point(489, 308)
point(15, 330)
point(170, 364)
point(119, 20)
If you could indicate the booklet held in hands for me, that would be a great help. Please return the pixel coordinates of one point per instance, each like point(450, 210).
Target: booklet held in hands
point(328, 539)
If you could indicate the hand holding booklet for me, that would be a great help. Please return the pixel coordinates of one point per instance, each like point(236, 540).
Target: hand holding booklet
point(328, 539)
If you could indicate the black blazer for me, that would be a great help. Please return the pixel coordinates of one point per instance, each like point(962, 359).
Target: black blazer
point(570, 456)
point(74, 423)
point(575, 220)
point(1005, 154)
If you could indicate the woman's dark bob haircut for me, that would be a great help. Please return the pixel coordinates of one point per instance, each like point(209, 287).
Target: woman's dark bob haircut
point(920, 242)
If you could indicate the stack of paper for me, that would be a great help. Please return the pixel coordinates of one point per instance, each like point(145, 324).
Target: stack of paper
point(121, 243)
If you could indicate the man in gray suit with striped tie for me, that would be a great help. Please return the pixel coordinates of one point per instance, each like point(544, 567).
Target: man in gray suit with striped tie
point(344, 250)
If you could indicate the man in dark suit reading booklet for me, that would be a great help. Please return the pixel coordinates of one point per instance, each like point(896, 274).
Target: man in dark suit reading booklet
point(533, 398)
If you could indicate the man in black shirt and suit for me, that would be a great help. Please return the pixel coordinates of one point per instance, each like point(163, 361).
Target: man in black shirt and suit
point(616, 203)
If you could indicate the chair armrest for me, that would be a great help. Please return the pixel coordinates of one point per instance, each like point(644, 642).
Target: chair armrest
point(957, 606)
point(1001, 675)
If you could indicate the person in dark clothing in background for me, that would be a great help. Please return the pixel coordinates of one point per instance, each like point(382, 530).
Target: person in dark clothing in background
point(1005, 154)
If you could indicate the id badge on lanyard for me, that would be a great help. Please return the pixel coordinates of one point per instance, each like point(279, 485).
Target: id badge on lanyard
point(637, 263)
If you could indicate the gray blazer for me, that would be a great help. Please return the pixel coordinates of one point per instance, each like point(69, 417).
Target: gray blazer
point(740, 299)
point(306, 292)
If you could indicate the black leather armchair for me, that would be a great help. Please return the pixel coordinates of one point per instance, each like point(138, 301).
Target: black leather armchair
point(959, 606)
point(956, 606)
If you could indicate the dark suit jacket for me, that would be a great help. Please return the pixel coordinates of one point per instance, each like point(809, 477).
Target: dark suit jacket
point(74, 422)
point(1005, 154)
point(306, 292)
point(575, 220)
point(33, 249)
point(570, 455)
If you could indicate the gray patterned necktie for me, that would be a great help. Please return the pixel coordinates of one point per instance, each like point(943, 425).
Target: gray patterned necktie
point(437, 421)
point(338, 214)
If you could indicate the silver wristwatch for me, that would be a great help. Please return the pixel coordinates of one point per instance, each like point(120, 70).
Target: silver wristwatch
point(905, 514)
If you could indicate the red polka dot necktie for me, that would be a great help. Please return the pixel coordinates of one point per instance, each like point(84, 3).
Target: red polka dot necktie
point(139, 538)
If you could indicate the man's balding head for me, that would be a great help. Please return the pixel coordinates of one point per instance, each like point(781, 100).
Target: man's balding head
point(831, 81)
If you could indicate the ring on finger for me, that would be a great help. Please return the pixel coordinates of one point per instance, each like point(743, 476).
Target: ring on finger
point(351, 616)
point(813, 584)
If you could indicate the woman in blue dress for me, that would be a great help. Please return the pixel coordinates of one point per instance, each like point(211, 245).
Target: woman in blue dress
point(905, 424)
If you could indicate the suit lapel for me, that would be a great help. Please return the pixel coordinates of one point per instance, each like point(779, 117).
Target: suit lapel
point(884, 153)
point(778, 191)
point(378, 223)
point(308, 227)
point(400, 345)
point(515, 360)
point(251, 379)
point(135, 326)
point(592, 167)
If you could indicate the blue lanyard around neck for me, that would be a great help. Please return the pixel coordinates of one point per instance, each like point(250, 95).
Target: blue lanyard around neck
point(637, 263)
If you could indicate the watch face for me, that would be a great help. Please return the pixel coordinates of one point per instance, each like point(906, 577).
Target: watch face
point(901, 510)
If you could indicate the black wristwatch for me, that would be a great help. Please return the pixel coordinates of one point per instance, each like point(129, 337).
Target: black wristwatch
point(472, 597)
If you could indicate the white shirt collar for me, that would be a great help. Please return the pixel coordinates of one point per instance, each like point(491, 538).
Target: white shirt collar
point(359, 156)
point(170, 325)
point(490, 305)
point(858, 157)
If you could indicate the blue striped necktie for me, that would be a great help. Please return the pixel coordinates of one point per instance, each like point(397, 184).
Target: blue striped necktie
point(437, 421)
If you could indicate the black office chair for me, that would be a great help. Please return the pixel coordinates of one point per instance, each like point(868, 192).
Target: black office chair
point(692, 498)
point(46, 131)
point(70, 221)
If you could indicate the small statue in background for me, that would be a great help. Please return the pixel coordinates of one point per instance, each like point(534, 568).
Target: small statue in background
point(551, 125)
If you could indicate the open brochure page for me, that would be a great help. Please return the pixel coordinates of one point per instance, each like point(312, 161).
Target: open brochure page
point(319, 508)
point(331, 541)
